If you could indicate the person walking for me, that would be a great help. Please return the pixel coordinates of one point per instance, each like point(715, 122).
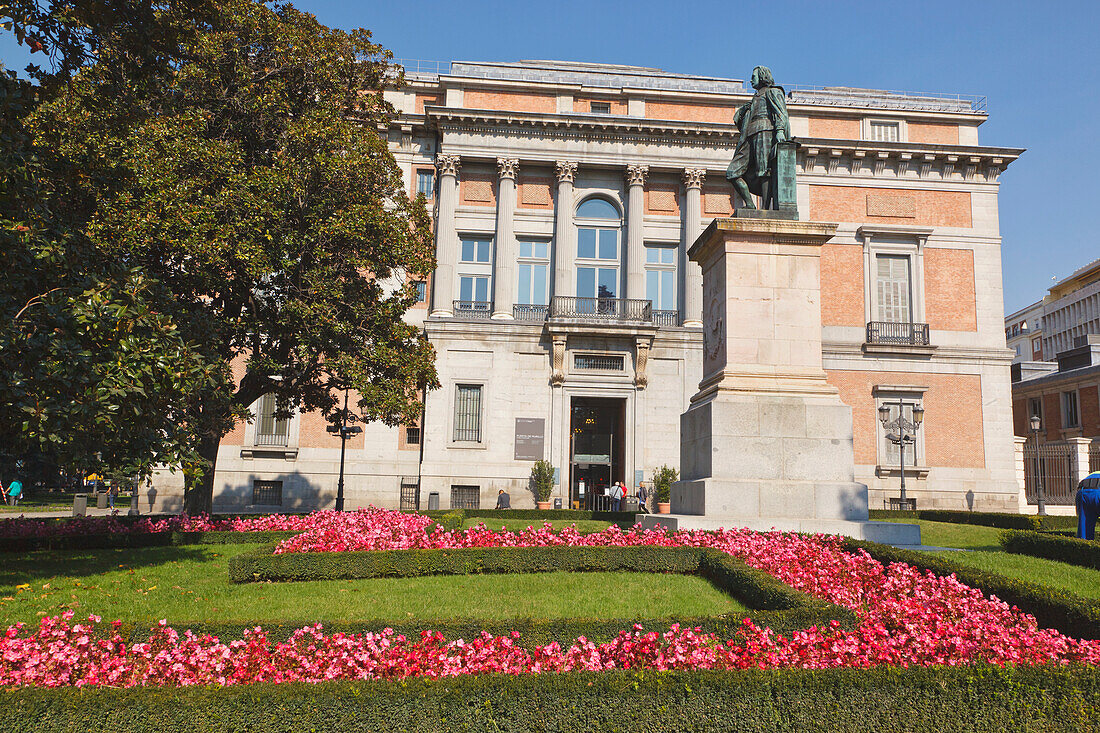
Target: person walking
point(643, 498)
point(618, 491)
point(14, 492)
point(112, 494)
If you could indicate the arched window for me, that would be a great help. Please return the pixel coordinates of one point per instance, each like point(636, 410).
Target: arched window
point(598, 253)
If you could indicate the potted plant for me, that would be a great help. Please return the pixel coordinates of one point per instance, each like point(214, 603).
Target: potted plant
point(662, 485)
point(542, 483)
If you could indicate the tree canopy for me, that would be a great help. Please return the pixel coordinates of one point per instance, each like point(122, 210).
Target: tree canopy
point(233, 176)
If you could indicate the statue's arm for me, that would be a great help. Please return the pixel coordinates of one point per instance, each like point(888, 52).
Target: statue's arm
point(777, 105)
point(739, 116)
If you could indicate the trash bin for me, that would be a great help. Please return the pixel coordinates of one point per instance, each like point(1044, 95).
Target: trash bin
point(101, 500)
point(557, 503)
point(630, 504)
point(80, 505)
point(433, 501)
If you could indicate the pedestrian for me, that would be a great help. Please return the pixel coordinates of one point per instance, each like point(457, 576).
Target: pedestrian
point(618, 491)
point(643, 498)
point(504, 501)
point(14, 492)
point(112, 494)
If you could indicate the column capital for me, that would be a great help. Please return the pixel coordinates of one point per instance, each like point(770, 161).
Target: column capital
point(694, 177)
point(508, 167)
point(636, 174)
point(448, 165)
point(566, 171)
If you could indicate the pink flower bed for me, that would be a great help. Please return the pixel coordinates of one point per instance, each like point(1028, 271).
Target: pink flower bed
point(906, 617)
point(21, 527)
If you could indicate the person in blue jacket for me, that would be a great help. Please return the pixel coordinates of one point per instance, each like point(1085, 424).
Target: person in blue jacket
point(1088, 506)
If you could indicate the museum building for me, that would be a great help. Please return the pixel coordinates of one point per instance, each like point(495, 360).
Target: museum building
point(566, 317)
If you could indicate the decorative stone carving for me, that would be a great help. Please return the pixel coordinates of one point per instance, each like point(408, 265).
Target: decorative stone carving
point(448, 165)
point(694, 177)
point(508, 167)
point(557, 361)
point(636, 175)
point(641, 358)
point(566, 171)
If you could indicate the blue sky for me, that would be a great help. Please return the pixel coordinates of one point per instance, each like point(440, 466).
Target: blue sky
point(1037, 63)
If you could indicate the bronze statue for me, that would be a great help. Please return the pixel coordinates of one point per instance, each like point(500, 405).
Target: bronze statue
point(764, 125)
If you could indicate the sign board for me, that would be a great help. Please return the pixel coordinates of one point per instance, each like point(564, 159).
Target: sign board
point(530, 438)
point(639, 476)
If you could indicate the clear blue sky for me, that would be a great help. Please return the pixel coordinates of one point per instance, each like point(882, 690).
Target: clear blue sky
point(1036, 62)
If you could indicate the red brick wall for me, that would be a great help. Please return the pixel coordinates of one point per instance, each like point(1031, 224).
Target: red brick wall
point(510, 101)
point(477, 189)
point(662, 199)
point(1020, 418)
point(926, 208)
point(949, 299)
point(1052, 416)
point(933, 133)
point(584, 106)
point(690, 112)
point(842, 285)
point(835, 128)
point(1089, 408)
point(425, 99)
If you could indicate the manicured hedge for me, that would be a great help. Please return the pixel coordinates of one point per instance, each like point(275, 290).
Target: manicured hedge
point(126, 541)
point(1053, 547)
point(988, 519)
point(920, 700)
point(1068, 613)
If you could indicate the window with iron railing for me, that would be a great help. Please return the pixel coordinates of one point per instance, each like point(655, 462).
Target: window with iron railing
point(599, 362)
point(465, 497)
point(467, 418)
point(267, 493)
point(270, 430)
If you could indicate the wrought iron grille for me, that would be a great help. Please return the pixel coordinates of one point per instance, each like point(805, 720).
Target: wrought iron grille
point(906, 334)
point(1055, 466)
point(529, 312)
point(473, 310)
point(410, 497)
point(465, 497)
point(666, 318)
point(598, 362)
point(267, 493)
point(601, 309)
point(468, 413)
point(266, 439)
point(1094, 457)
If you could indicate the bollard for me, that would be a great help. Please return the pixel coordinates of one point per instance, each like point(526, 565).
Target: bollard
point(80, 505)
point(101, 500)
point(134, 509)
point(433, 501)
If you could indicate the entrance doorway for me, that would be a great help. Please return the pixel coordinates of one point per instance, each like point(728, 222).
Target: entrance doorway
point(597, 439)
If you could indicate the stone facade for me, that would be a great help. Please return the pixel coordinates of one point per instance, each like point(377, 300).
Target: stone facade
point(515, 149)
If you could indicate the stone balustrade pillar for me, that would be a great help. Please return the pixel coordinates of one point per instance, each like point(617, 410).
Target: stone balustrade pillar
point(446, 237)
point(635, 231)
point(504, 270)
point(564, 250)
point(693, 274)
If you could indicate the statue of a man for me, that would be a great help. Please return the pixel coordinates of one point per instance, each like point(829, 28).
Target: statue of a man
point(763, 123)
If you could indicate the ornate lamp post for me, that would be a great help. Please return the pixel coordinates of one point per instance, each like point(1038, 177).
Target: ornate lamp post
point(900, 432)
point(1036, 424)
point(345, 431)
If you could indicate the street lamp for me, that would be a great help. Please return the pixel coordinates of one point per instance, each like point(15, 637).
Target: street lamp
point(1036, 424)
point(904, 432)
point(345, 431)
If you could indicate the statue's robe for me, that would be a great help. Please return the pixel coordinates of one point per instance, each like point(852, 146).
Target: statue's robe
point(758, 120)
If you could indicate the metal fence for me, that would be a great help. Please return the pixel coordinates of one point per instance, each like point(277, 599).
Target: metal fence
point(267, 493)
point(410, 497)
point(601, 309)
point(522, 312)
point(666, 318)
point(909, 334)
point(1054, 467)
point(473, 310)
point(465, 497)
point(1094, 457)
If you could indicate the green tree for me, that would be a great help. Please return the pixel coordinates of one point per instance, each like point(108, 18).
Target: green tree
point(241, 169)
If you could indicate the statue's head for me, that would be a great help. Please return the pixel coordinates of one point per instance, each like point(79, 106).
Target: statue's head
point(762, 77)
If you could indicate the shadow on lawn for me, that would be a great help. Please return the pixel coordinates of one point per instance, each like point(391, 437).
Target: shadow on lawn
point(32, 566)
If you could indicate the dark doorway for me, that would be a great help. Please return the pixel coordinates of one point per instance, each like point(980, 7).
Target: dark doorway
point(597, 444)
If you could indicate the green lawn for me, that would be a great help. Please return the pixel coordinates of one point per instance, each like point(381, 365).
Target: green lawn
point(518, 525)
point(961, 536)
point(190, 584)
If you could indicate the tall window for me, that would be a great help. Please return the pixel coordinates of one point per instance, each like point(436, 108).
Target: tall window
point(1070, 417)
point(660, 276)
point(889, 451)
point(885, 132)
point(895, 290)
point(534, 263)
point(475, 270)
point(425, 182)
point(467, 413)
point(270, 430)
point(598, 224)
point(1035, 409)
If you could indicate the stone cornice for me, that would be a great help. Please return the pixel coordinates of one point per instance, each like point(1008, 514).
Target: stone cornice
point(616, 126)
point(903, 161)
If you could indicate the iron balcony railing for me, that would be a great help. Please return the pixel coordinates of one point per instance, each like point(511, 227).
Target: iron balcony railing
point(905, 334)
point(666, 318)
point(529, 312)
point(271, 439)
point(601, 309)
point(473, 310)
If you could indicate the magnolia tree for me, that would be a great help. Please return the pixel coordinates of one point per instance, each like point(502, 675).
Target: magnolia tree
point(237, 165)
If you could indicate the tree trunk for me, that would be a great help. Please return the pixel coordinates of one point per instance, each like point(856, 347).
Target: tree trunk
point(198, 495)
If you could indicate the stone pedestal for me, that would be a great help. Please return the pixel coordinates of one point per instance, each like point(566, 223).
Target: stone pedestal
point(767, 441)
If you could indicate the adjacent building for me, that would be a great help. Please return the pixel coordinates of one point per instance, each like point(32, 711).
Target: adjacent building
point(567, 318)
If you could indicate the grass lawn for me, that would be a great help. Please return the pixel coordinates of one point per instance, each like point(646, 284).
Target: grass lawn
point(190, 584)
point(518, 525)
point(1063, 576)
point(961, 536)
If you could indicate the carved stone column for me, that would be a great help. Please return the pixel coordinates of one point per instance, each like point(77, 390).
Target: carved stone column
point(694, 178)
point(557, 360)
point(446, 237)
point(504, 270)
point(635, 221)
point(641, 359)
point(564, 250)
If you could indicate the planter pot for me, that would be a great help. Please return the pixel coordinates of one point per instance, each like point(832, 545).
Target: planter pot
point(542, 504)
point(664, 507)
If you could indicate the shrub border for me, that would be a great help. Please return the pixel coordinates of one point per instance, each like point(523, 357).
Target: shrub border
point(144, 539)
point(1000, 520)
point(1071, 614)
point(1085, 553)
point(922, 700)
